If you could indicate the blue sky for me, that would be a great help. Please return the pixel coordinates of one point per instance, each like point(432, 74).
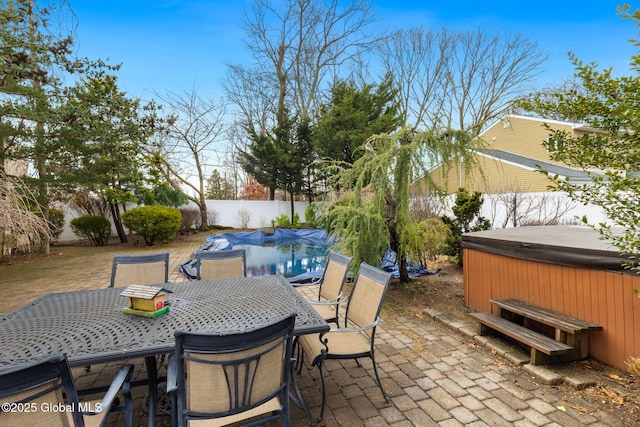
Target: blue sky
point(179, 45)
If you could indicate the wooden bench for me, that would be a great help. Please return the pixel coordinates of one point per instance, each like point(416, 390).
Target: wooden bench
point(565, 329)
point(543, 349)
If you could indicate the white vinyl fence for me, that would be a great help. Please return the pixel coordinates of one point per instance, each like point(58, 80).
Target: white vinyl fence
point(503, 210)
point(507, 210)
point(228, 213)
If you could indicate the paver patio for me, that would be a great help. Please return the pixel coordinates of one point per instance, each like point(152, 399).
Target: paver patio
point(434, 375)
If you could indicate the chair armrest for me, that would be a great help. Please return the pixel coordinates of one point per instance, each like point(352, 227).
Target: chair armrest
point(333, 301)
point(358, 329)
point(305, 285)
point(172, 375)
point(316, 281)
point(121, 381)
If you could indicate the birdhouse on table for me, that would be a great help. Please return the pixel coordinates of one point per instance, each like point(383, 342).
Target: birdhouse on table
point(145, 300)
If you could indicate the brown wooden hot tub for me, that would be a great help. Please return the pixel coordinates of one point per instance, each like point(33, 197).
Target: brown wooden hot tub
point(567, 269)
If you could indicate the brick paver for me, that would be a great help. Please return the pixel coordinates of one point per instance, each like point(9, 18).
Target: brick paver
point(434, 375)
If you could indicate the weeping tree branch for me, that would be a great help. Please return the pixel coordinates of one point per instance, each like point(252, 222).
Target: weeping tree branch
point(17, 220)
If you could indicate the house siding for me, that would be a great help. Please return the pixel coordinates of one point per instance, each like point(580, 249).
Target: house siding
point(523, 136)
point(491, 176)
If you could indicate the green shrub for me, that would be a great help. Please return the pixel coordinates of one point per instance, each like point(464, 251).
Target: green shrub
point(428, 239)
point(93, 227)
point(313, 216)
point(153, 222)
point(296, 221)
point(283, 221)
point(467, 218)
point(56, 223)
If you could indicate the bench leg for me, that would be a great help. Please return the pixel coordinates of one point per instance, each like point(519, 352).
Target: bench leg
point(538, 357)
point(484, 330)
point(581, 345)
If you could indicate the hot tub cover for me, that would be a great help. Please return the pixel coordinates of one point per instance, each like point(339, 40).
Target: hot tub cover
point(576, 246)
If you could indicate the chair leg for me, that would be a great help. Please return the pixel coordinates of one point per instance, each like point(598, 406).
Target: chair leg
point(297, 399)
point(152, 379)
point(324, 391)
point(128, 405)
point(299, 355)
point(375, 371)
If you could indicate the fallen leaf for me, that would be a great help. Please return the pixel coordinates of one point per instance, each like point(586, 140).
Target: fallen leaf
point(608, 393)
point(562, 408)
point(580, 408)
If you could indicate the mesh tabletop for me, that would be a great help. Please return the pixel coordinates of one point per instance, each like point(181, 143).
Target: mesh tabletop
point(90, 326)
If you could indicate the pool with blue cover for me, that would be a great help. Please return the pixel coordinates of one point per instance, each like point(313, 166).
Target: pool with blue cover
point(297, 254)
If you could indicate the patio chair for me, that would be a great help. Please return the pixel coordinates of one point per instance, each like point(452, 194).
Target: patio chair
point(216, 380)
point(44, 394)
point(146, 269)
point(331, 284)
point(356, 339)
point(220, 264)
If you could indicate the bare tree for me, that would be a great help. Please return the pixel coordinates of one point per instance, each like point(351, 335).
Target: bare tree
point(245, 218)
point(417, 59)
point(188, 142)
point(425, 205)
point(546, 100)
point(299, 46)
point(459, 80)
point(253, 95)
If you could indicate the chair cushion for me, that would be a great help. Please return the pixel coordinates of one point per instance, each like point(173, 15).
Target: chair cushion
point(270, 406)
point(327, 311)
point(339, 344)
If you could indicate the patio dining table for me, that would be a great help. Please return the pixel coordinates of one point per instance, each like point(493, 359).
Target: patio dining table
point(91, 327)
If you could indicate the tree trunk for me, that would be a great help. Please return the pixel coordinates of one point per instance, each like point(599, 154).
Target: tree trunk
point(394, 238)
point(292, 204)
point(204, 220)
point(115, 214)
point(403, 269)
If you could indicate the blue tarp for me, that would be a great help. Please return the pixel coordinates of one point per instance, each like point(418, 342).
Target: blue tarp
point(390, 264)
point(312, 236)
point(226, 241)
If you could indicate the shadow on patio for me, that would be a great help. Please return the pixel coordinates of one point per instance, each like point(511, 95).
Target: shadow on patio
point(434, 375)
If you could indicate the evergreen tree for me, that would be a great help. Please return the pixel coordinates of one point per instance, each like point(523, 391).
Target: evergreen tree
point(218, 188)
point(33, 61)
point(353, 115)
point(280, 160)
point(260, 160)
point(104, 137)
